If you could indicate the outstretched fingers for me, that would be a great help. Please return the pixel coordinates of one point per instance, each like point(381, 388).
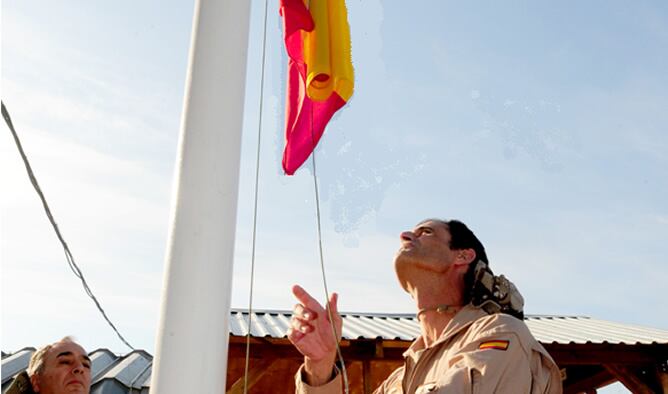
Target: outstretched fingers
point(305, 298)
point(295, 335)
point(302, 319)
point(310, 329)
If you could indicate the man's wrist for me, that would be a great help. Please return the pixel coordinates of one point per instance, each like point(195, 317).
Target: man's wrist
point(318, 373)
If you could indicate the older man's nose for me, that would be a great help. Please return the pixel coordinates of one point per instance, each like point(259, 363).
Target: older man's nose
point(79, 368)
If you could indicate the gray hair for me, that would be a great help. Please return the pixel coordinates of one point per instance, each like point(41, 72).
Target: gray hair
point(36, 365)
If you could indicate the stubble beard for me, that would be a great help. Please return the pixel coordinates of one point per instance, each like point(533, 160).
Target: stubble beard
point(401, 261)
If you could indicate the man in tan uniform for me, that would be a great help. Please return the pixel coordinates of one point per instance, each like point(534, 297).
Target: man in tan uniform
point(465, 345)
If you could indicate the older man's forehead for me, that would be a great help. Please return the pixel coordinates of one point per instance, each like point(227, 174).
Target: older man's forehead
point(67, 348)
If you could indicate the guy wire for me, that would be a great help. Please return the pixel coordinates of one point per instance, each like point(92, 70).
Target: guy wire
point(68, 255)
point(257, 182)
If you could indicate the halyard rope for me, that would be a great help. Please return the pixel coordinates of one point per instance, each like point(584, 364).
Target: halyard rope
point(257, 178)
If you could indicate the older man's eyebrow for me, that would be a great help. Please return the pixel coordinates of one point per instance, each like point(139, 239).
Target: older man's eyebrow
point(68, 353)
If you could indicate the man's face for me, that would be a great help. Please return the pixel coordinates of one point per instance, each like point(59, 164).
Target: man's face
point(66, 370)
point(426, 247)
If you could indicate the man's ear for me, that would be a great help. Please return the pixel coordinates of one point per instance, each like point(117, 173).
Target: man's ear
point(34, 382)
point(465, 257)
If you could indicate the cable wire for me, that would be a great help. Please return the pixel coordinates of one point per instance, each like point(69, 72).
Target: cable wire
point(68, 255)
point(257, 182)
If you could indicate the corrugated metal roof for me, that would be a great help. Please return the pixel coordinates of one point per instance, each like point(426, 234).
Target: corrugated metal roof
point(130, 370)
point(117, 374)
point(547, 329)
point(579, 330)
point(101, 359)
point(14, 363)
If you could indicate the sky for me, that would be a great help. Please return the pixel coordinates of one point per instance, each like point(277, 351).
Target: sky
point(539, 124)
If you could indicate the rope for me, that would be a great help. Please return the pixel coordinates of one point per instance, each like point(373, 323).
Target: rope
point(319, 228)
point(322, 263)
point(68, 255)
point(257, 182)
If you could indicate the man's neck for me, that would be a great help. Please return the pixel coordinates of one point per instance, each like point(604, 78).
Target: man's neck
point(435, 312)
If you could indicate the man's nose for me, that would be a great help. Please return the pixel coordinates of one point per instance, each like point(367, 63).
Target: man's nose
point(407, 236)
point(78, 368)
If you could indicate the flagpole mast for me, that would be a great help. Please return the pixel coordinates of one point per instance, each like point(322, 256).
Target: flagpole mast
point(193, 331)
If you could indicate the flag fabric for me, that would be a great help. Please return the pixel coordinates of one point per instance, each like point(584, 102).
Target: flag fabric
point(320, 73)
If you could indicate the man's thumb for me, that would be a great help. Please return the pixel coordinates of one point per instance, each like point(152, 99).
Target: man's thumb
point(333, 300)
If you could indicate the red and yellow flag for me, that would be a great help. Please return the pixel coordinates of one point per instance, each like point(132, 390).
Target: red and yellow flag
point(320, 72)
point(496, 344)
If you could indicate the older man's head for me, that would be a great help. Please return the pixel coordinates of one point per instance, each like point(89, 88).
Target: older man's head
point(59, 368)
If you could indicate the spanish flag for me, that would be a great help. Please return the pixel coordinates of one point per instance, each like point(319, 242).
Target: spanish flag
point(320, 72)
point(496, 344)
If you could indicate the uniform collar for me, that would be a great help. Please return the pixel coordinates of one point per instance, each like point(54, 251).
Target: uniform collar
point(464, 318)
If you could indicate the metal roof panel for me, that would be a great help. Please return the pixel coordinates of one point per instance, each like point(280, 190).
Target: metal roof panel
point(14, 363)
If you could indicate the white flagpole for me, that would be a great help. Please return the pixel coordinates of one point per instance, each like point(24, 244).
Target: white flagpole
point(192, 336)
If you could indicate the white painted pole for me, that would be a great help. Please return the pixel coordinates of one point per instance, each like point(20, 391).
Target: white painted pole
point(192, 336)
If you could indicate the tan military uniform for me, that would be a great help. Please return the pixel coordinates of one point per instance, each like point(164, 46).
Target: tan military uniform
point(477, 353)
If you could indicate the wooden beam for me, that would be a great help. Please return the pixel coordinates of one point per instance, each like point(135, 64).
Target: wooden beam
point(629, 379)
point(596, 354)
point(563, 354)
point(600, 379)
point(361, 351)
point(254, 375)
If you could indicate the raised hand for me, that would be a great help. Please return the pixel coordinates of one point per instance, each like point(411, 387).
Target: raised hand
point(311, 333)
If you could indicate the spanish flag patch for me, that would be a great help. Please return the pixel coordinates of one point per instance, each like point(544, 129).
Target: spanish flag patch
point(498, 345)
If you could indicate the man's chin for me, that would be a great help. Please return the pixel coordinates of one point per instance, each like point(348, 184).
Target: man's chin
point(405, 256)
point(404, 249)
point(75, 388)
